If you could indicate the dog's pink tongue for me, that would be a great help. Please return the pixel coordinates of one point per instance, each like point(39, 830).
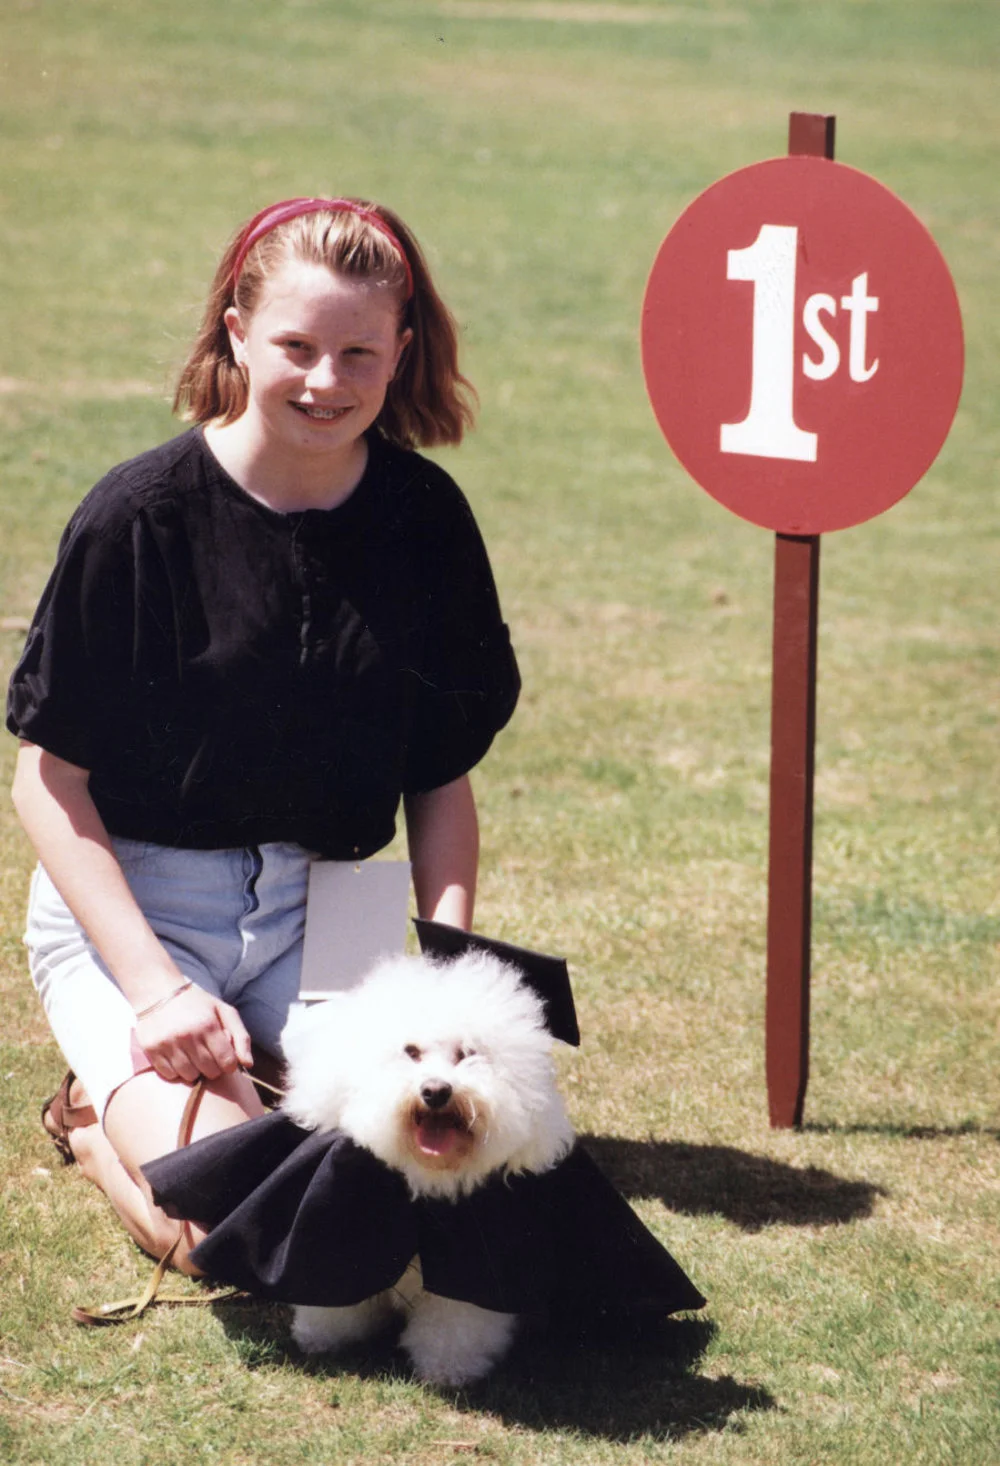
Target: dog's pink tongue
point(436, 1138)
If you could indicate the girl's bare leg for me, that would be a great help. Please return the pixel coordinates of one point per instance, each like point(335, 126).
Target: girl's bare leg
point(142, 1122)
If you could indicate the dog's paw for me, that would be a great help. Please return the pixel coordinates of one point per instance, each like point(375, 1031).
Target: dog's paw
point(455, 1344)
point(327, 1330)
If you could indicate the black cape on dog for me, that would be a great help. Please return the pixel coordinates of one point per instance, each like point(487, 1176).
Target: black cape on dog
point(303, 1216)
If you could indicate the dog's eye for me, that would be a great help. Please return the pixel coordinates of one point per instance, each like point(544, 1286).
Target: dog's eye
point(464, 1053)
point(412, 1052)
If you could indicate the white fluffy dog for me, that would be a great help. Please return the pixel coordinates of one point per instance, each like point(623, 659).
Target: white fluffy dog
point(444, 1072)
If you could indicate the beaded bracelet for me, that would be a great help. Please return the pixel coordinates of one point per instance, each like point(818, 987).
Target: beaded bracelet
point(162, 1002)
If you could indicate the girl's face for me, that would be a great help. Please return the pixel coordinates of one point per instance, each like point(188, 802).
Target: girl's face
point(320, 351)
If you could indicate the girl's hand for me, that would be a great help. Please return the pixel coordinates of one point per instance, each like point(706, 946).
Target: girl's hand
point(195, 1035)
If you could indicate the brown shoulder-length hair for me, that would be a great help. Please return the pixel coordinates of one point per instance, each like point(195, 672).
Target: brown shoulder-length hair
point(429, 401)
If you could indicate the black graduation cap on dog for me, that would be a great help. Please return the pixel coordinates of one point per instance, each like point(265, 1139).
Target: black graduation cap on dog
point(547, 976)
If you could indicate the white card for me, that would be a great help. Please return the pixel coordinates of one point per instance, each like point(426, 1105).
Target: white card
point(356, 913)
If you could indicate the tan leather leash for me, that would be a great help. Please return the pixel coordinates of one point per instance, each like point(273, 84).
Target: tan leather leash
point(129, 1308)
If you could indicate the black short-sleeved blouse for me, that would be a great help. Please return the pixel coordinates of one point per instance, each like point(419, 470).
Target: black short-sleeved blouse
point(231, 675)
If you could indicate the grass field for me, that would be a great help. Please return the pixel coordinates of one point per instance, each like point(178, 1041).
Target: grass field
point(541, 151)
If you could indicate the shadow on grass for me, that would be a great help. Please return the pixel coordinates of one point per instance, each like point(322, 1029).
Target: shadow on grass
point(754, 1191)
point(622, 1385)
point(903, 1132)
point(619, 1387)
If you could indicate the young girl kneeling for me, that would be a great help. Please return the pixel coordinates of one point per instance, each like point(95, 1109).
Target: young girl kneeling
point(257, 640)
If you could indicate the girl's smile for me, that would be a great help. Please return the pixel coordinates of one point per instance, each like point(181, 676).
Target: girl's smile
point(321, 414)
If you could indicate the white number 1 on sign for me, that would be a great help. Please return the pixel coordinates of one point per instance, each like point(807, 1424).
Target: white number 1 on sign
point(769, 429)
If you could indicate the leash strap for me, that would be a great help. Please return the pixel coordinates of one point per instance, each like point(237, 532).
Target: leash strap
point(129, 1308)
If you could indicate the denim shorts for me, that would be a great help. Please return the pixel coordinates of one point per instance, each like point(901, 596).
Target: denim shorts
point(232, 920)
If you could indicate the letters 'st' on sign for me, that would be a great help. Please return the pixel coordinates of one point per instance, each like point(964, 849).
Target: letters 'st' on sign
point(802, 345)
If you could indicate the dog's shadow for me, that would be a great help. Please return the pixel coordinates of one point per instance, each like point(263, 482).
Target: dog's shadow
point(647, 1383)
point(752, 1191)
point(617, 1387)
point(624, 1384)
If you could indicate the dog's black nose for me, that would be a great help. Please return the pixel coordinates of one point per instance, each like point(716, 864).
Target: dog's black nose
point(435, 1094)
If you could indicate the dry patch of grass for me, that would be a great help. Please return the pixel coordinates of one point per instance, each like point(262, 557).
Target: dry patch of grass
point(596, 13)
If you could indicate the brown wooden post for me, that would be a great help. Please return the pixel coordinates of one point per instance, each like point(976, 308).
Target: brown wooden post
point(793, 740)
point(789, 909)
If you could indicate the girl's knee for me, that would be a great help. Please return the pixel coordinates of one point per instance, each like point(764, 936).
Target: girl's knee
point(181, 1259)
point(161, 1237)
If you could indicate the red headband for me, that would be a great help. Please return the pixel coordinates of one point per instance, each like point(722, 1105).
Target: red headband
point(276, 214)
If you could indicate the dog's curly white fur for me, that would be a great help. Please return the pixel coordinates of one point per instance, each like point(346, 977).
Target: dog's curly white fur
point(444, 1072)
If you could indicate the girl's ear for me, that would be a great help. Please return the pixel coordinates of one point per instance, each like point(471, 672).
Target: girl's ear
point(403, 341)
point(237, 335)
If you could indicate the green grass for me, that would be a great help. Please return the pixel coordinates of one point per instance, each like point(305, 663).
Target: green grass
point(542, 151)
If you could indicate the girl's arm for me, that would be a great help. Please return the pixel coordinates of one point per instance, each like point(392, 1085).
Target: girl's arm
point(443, 834)
point(192, 1034)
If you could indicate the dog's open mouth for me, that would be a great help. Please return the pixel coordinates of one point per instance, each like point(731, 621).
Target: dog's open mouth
point(440, 1132)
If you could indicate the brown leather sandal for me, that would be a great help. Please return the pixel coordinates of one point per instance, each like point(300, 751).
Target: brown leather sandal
point(59, 1117)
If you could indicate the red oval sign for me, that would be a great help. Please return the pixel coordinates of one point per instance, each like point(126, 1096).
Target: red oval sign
point(802, 345)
